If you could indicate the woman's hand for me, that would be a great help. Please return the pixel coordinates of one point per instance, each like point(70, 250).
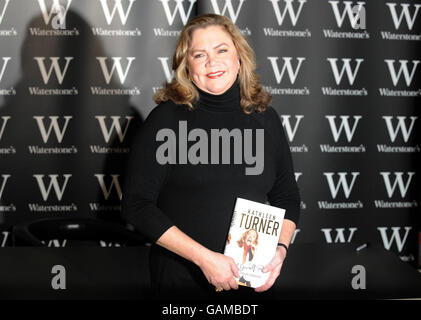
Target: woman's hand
point(219, 270)
point(274, 267)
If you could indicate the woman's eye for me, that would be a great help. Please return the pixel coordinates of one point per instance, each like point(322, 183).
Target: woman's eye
point(222, 50)
point(198, 55)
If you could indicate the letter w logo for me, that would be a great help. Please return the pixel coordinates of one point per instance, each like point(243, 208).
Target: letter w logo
point(5, 61)
point(396, 237)
point(403, 69)
point(287, 125)
point(344, 126)
point(404, 13)
point(287, 66)
point(5, 236)
point(178, 8)
point(114, 183)
point(4, 10)
point(53, 125)
point(55, 8)
point(116, 66)
point(346, 67)
point(228, 5)
point(5, 177)
point(348, 9)
point(54, 65)
point(59, 191)
point(340, 235)
point(403, 188)
point(56, 243)
point(401, 126)
point(288, 8)
point(168, 73)
point(3, 126)
point(334, 189)
point(109, 16)
point(114, 126)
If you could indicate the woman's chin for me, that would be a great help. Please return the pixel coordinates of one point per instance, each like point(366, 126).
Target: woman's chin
point(217, 89)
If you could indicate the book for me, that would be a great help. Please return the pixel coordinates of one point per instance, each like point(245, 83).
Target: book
point(252, 239)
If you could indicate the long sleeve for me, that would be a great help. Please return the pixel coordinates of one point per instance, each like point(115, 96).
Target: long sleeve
point(284, 193)
point(144, 180)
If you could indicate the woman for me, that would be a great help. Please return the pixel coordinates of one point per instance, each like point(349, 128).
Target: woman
point(184, 206)
point(248, 242)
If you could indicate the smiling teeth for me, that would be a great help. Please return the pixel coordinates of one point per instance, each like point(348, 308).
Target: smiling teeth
point(216, 74)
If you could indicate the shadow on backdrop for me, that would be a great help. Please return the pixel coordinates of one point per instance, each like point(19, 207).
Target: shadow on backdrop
point(58, 161)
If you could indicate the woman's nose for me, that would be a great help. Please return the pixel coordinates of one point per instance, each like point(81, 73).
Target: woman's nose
point(211, 60)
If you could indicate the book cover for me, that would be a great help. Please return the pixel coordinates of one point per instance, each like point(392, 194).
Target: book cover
point(252, 239)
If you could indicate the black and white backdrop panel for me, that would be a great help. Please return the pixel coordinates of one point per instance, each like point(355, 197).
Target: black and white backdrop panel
point(77, 79)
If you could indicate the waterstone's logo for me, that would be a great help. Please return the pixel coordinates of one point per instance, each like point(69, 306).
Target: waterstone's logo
point(344, 127)
point(4, 207)
point(111, 128)
point(60, 70)
point(394, 181)
point(3, 124)
point(286, 68)
point(341, 235)
point(168, 73)
point(108, 73)
point(396, 70)
point(403, 125)
point(178, 9)
point(6, 149)
point(356, 17)
point(339, 72)
point(293, 10)
point(110, 14)
point(55, 16)
point(232, 12)
point(107, 191)
point(291, 131)
point(297, 176)
point(4, 238)
point(408, 13)
point(6, 91)
point(5, 32)
point(48, 183)
point(395, 237)
point(344, 182)
point(46, 130)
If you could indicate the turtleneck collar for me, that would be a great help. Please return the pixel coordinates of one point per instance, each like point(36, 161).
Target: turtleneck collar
point(228, 101)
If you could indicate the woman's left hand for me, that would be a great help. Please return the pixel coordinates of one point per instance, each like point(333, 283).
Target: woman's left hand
point(274, 267)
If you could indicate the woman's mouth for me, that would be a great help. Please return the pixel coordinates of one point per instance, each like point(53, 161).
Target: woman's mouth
point(215, 75)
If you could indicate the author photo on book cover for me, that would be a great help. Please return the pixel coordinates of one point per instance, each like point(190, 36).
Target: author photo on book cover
point(182, 181)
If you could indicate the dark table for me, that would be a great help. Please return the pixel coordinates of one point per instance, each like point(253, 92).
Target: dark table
point(309, 272)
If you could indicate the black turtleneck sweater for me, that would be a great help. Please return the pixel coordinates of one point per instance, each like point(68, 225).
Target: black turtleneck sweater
point(199, 198)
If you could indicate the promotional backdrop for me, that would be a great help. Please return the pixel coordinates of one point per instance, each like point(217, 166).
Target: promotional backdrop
point(77, 78)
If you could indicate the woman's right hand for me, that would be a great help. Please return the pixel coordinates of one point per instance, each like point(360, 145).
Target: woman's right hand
point(219, 270)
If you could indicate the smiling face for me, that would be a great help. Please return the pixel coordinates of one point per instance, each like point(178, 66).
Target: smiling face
point(213, 61)
point(251, 237)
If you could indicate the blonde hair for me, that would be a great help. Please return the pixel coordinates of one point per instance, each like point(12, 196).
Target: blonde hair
point(181, 89)
point(242, 241)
